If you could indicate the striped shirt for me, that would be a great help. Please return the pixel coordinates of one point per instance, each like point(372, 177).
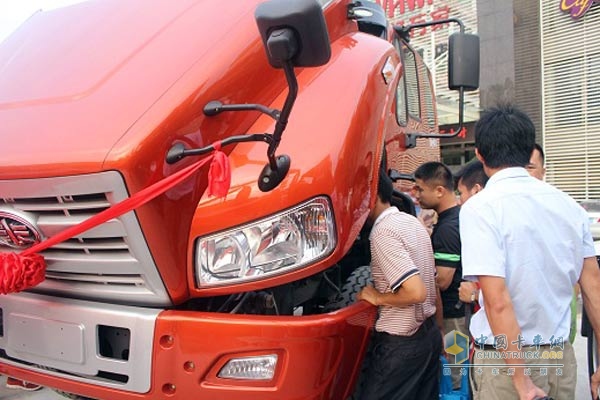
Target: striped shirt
point(401, 248)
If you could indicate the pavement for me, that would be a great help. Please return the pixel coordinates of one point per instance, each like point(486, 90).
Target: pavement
point(17, 394)
point(582, 391)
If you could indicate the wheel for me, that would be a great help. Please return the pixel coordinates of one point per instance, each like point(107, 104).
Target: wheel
point(358, 279)
point(71, 395)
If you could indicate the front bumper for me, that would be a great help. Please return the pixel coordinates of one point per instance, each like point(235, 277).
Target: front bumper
point(178, 354)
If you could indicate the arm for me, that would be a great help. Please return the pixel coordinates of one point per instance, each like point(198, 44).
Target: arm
point(439, 310)
point(444, 276)
point(501, 316)
point(439, 317)
point(412, 291)
point(590, 290)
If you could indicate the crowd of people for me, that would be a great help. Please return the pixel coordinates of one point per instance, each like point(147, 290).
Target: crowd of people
point(507, 247)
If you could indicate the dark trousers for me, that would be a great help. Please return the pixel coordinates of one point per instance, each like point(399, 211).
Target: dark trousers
point(405, 367)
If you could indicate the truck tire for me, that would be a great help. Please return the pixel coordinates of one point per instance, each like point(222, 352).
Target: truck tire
point(358, 279)
point(71, 395)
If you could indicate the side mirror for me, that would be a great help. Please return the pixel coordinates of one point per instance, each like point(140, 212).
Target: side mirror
point(463, 61)
point(463, 69)
point(293, 31)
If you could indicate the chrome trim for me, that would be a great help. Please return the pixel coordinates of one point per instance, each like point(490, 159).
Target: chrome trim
point(83, 363)
point(110, 262)
point(17, 231)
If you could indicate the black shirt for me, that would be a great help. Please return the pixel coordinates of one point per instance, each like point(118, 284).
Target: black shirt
point(445, 240)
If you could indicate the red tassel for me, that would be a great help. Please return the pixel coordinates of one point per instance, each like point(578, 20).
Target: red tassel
point(19, 272)
point(219, 174)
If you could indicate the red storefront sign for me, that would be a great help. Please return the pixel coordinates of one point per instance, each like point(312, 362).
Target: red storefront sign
point(396, 10)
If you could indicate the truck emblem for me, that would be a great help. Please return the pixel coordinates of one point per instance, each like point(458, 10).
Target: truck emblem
point(17, 232)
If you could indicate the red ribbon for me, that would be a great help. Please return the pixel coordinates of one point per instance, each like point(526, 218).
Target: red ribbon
point(219, 174)
point(27, 269)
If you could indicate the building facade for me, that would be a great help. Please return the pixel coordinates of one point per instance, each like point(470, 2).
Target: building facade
point(570, 38)
point(543, 56)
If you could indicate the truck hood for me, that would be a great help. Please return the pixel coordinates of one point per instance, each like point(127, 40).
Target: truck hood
point(74, 80)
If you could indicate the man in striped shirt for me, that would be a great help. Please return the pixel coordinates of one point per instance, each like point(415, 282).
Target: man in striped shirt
point(407, 342)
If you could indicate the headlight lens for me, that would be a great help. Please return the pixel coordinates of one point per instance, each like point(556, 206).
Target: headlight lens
point(285, 241)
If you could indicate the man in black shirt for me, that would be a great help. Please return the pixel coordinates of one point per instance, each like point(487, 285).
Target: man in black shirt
point(435, 190)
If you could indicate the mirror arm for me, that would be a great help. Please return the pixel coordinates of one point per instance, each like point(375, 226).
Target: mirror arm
point(411, 137)
point(396, 176)
point(215, 107)
point(282, 121)
point(276, 170)
point(178, 150)
point(404, 31)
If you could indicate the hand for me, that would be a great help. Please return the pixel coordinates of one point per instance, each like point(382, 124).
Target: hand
point(595, 384)
point(427, 218)
point(526, 389)
point(368, 294)
point(468, 292)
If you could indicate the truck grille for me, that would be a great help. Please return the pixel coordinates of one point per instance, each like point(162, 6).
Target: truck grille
point(110, 262)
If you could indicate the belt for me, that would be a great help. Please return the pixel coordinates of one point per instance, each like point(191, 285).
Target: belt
point(425, 327)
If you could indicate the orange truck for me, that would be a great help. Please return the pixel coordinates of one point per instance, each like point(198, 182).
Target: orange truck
point(246, 296)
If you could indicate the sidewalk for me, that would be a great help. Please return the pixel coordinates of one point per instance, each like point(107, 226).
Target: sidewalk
point(15, 394)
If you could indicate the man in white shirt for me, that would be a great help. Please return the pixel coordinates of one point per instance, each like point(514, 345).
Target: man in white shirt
point(527, 244)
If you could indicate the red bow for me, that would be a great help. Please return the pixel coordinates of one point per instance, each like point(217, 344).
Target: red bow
point(219, 174)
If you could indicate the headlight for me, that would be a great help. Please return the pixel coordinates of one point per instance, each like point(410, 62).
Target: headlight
point(254, 368)
point(282, 242)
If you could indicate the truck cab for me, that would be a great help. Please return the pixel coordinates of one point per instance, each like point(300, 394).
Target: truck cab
point(189, 294)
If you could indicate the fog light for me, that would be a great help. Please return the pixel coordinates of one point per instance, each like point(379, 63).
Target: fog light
point(255, 368)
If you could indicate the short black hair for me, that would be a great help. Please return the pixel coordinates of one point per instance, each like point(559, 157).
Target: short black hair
point(541, 150)
point(472, 174)
point(385, 188)
point(505, 137)
point(435, 171)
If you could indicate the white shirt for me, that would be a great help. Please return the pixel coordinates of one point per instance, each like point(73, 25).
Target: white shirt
point(535, 237)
